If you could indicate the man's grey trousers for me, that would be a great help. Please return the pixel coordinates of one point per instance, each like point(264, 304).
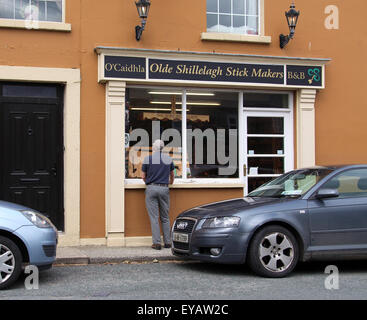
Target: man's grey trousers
point(157, 203)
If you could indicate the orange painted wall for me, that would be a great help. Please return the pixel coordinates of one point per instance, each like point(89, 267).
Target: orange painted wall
point(341, 109)
point(136, 217)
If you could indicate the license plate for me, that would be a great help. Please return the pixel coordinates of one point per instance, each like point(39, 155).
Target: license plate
point(180, 237)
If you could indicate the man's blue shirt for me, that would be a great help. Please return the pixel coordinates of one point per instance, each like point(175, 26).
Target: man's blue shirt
point(157, 168)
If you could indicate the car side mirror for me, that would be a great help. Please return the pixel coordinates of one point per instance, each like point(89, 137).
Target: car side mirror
point(327, 193)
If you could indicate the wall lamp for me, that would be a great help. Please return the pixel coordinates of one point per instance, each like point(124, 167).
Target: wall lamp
point(292, 17)
point(143, 10)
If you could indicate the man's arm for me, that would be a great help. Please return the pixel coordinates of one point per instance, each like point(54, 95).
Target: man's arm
point(143, 175)
point(172, 177)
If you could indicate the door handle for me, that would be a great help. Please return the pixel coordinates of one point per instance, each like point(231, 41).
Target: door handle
point(54, 171)
point(244, 170)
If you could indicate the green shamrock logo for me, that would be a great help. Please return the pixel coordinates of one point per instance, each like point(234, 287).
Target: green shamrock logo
point(314, 74)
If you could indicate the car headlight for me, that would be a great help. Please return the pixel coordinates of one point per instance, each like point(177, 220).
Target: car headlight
point(222, 222)
point(37, 219)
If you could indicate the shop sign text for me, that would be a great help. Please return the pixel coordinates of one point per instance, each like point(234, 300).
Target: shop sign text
point(118, 67)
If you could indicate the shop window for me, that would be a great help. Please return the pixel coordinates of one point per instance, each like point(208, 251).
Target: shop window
point(233, 16)
point(38, 10)
point(208, 120)
point(149, 117)
point(212, 123)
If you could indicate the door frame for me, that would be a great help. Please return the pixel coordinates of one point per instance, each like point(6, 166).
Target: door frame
point(71, 78)
point(289, 150)
point(58, 103)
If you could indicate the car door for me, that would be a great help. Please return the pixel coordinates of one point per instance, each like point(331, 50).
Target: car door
point(340, 223)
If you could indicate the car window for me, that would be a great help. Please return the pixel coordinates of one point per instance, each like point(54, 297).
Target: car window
point(292, 184)
point(351, 183)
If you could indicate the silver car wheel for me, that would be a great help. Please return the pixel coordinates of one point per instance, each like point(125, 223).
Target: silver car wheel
point(276, 252)
point(7, 263)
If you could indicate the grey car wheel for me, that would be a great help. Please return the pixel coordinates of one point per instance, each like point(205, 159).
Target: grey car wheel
point(10, 262)
point(273, 252)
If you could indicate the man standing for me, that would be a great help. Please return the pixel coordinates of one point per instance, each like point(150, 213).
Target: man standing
point(158, 172)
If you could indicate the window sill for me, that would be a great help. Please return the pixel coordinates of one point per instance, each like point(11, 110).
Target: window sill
point(35, 25)
point(191, 185)
point(214, 36)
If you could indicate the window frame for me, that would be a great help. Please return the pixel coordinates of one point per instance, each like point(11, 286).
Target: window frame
point(220, 182)
point(237, 37)
point(232, 15)
point(38, 25)
point(184, 179)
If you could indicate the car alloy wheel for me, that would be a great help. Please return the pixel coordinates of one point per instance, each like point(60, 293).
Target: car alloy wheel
point(10, 262)
point(7, 263)
point(276, 252)
point(273, 252)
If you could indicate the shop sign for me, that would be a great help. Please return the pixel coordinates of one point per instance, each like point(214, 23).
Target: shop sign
point(214, 71)
point(304, 76)
point(118, 67)
point(124, 67)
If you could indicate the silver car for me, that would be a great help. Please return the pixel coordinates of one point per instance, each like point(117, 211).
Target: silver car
point(26, 237)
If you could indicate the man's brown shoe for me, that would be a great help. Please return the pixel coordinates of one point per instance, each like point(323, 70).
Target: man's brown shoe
point(156, 246)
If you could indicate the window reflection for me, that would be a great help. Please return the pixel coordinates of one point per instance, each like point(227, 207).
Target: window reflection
point(152, 115)
point(211, 130)
point(37, 10)
point(212, 124)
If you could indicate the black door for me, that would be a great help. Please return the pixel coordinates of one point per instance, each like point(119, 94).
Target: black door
point(31, 148)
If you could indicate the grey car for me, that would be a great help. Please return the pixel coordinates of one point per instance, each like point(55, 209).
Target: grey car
point(305, 214)
point(26, 237)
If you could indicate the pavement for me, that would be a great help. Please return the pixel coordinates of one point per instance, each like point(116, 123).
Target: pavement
point(104, 254)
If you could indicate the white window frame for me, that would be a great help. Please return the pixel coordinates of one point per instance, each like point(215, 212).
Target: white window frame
point(195, 181)
point(37, 25)
point(236, 37)
point(245, 15)
point(241, 156)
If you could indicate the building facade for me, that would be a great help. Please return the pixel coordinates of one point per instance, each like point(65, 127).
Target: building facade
point(82, 101)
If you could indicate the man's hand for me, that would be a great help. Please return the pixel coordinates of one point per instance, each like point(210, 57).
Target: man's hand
point(171, 177)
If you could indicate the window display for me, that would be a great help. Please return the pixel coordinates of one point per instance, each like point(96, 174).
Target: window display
point(208, 120)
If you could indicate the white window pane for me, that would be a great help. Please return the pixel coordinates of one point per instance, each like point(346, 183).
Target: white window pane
point(54, 11)
point(212, 6)
point(225, 23)
point(212, 22)
point(43, 10)
point(7, 9)
point(225, 6)
point(20, 9)
point(239, 6)
point(252, 25)
point(252, 7)
point(239, 24)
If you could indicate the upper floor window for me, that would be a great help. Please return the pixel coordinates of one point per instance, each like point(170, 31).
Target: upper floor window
point(38, 10)
point(233, 16)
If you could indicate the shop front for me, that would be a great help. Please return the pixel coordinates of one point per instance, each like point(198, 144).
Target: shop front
point(230, 123)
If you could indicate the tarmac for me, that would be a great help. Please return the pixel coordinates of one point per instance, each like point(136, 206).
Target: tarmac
point(103, 255)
